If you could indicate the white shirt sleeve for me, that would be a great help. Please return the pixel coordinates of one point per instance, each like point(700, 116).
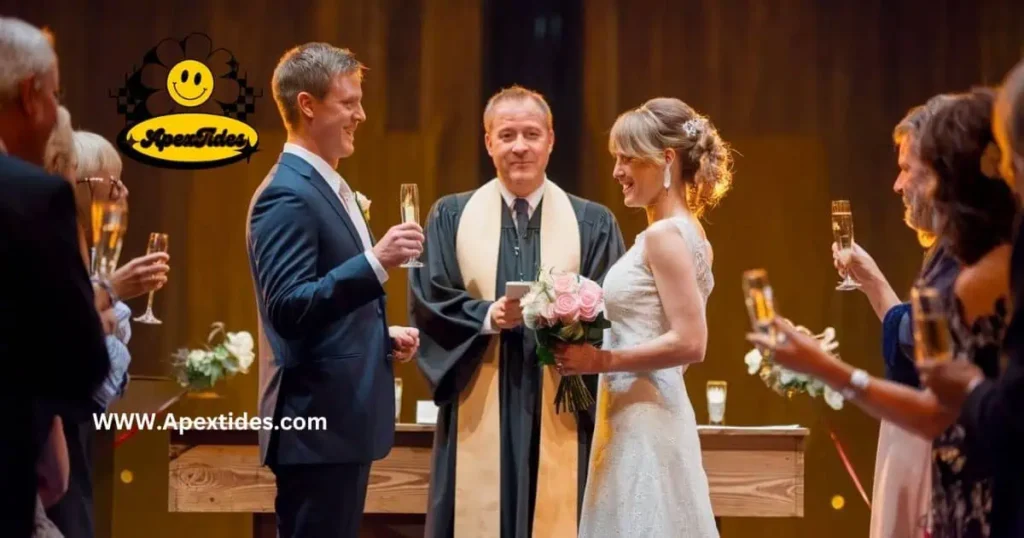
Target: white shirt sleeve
point(488, 328)
point(378, 269)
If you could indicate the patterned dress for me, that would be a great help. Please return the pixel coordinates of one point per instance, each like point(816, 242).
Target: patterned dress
point(962, 486)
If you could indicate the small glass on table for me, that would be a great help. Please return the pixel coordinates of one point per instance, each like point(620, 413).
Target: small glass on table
point(398, 399)
point(716, 392)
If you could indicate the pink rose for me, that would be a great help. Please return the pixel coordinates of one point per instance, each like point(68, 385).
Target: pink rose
point(565, 283)
point(567, 308)
point(590, 300)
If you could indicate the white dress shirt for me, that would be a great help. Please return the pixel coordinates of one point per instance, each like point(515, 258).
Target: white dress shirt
point(347, 197)
point(533, 199)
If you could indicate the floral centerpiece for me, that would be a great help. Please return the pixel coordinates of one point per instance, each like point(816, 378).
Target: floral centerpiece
point(786, 382)
point(565, 307)
point(224, 355)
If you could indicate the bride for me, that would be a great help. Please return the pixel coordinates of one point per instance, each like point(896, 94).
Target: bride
point(646, 477)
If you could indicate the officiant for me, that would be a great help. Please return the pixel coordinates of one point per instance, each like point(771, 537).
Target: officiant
point(505, 463)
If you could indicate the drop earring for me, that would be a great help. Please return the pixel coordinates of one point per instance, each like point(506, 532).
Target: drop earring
point(668, 177)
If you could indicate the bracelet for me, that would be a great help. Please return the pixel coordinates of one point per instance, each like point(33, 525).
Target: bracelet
point(859, 380)
point(107, 287)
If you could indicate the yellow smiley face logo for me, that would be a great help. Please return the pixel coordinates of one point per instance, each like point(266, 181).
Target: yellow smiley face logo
point(190, 83)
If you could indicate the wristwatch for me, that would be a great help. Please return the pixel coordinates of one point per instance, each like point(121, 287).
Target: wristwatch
point(858, 382)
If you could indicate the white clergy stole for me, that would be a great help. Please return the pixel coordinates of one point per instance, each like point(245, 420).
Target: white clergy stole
point(478, 449)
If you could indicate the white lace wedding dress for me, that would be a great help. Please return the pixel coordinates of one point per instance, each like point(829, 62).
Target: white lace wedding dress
point(646, 476)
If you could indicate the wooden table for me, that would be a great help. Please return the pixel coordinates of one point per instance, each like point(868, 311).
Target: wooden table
point(752, 472)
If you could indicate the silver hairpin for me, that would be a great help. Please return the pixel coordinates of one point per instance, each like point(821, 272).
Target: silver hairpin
point(692, 127)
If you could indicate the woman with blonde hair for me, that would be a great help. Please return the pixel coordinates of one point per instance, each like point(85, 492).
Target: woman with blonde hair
point(646, 474)
point(94, 167)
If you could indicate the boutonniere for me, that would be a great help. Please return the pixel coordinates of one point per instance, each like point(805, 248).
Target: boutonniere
point(364, 205)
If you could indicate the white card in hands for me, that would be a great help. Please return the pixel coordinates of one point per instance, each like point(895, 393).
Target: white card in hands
point(517, 289)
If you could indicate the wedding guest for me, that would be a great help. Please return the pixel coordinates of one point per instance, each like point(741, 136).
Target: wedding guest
point(902, 478)
point(975, 212)
point(56, 373)
point(96, 172)
point(991, 409)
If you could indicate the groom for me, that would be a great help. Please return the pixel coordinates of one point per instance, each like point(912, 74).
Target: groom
point(504, 463)
point(325, 347)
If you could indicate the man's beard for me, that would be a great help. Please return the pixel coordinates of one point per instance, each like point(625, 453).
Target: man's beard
point(920, 217)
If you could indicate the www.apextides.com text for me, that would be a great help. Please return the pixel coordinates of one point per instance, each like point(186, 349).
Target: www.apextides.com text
point(149, 421)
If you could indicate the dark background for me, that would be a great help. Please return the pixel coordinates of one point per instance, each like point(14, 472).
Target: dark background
point(807, 92)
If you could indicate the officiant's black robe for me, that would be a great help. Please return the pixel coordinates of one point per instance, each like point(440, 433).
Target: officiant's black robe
point(452, 345)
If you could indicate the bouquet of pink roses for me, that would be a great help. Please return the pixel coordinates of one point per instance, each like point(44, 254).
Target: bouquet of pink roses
point(570, 308)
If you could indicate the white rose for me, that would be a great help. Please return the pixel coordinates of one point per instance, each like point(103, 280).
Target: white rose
point(197, 357)
point(753, 360)
point(240, 345)
point(833, 398)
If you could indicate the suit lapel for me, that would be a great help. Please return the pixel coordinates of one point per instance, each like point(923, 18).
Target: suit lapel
point(307, 170)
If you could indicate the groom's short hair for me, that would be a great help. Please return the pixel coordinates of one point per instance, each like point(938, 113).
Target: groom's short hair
point(309, 68)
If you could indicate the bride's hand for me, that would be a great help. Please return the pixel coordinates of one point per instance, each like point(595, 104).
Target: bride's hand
point(576, 359)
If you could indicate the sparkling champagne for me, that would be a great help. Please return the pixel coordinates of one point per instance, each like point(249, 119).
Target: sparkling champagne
point(759, 301)
point(842, 229)
point(113, 224)
point(409, 199)
point(842, 232)
point(931, 339)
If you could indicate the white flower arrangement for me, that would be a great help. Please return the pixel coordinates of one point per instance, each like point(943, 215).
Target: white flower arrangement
point(787, 382)
point(364, 205)
point(200, 369)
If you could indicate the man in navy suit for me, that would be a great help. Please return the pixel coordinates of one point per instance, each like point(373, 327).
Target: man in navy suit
point(325, 347)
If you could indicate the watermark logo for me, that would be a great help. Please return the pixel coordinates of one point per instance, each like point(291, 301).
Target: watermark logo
point(186, 107)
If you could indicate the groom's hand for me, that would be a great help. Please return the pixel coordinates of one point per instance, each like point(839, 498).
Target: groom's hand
point(405, 342)
point(402, 242)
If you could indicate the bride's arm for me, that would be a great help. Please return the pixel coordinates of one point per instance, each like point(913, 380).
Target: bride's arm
point(669, 258)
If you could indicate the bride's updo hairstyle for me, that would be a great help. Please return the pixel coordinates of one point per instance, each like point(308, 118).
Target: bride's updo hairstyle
point(705, 162)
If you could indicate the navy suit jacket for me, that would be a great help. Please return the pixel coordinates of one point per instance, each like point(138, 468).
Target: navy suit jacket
point(324, 347)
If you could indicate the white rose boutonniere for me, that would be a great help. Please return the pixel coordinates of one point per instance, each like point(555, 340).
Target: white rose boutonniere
point(364, 205)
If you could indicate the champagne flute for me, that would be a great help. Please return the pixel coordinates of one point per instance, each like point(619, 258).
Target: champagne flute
point(112, 218)
point(716, 391)
point(932, 341)
point(157, 243)
point(842, 232)
point(757, 293)
point(758, 297)
point(410, 206)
